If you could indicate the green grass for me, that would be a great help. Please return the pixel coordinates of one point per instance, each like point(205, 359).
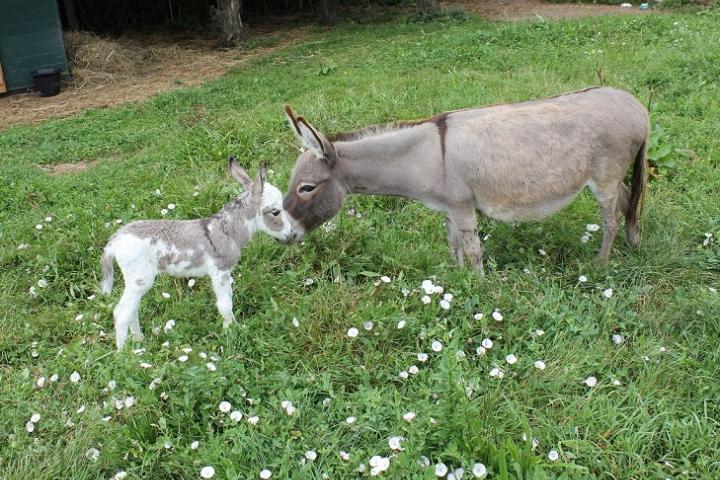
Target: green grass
point(661, 422)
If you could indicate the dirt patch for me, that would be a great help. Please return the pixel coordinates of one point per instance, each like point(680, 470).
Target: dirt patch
point(526, 9)
point(63, 168)
point(109, 72)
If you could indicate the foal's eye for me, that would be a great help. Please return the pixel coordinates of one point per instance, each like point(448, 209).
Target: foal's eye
point(306, 188)
point(275, 213)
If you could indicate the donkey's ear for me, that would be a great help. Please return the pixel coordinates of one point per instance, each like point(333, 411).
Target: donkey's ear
point(238, 173)
point(310, 138)
point(259, 184)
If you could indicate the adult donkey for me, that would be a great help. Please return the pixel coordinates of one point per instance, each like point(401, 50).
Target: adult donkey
point(512, 162)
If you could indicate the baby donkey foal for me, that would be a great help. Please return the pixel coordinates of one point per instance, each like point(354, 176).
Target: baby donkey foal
point(192, 248)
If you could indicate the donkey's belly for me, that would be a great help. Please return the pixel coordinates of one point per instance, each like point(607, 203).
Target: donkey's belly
point(525, 211)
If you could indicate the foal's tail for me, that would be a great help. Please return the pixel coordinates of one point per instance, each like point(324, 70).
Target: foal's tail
point(107, 269)
point(637, 188)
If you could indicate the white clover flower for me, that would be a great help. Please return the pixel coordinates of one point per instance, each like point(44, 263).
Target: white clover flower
point(39, 226)
point(582, 279)
point(153, 385)
point(428, 287)
point(480, 351)
point(183, 358)
point(618, 339)
point(662, 349)
point(165, 295)
point(225, 406)
point(590, 381)
point(436, 346)
point(608, 293)
point(368, 325)
point(413, 370)
point(350, 420)
point(211, 366)
point(385, 279)
point(423, 461)
point(712, 289)
point(35, 418)
point(592, 227)
point(345, 455)
point(311, 455)
point(40, 382)
point(403, 374)
point(30, 427)
point(169, 325)
point(129, 401)
point(326, 401)
point(497, 373)
point(145, 365)
point(394, 443)
point(296, 322)
point(487, 343)
point(81, 409)
point(478, 316)
point(585, 238)
point(195, 445)
point(448, 297)
point(378, 465)
point(479, 470)
point(540, 365)
point(425, 299)
point(409, 416)
point(79, 317)
point(265, 474)
point(497, 316)
point(352, 332)
point(54, 378)
point(539, 332)
point(48, 219)
point(542, 252)
point(42, 283)
point(157, 192)
point(92, 454)
point(460, 354)
point(191, 282)
point(441, 470)
point(253, 420)
point(163, 212)
point(23, 246)
point(444, 304)
point(74, 377)
point(422, 357)
point(207, 472)
point(616, 383)
point(171, 206)
point(511, 359)
point(236, 416)
point(120, 475)
point(553, 455)
point(401, 324)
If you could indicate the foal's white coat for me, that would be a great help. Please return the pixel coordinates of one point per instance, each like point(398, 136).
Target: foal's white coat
point(191, 248)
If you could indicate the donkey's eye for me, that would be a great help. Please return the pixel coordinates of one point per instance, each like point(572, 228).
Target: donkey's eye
point(306, 188)
point(275, 213)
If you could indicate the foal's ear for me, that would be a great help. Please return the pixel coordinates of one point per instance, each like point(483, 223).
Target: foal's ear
point(259, 184)
point(310, 138)
point(238, 173)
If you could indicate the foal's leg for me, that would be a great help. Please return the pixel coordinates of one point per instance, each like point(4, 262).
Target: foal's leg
point(464, 221)
point(632, 229)
point(607, 196)
point(126, 311)
point(222, 285)
point(454, 240)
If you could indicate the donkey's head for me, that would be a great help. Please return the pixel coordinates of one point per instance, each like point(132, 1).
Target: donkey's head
point(265, 201)
point(315, 194)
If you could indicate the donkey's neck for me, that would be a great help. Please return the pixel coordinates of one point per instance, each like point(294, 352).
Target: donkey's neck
point(402, 162)
point(236, 219)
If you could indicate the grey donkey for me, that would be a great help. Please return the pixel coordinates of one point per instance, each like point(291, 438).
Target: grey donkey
point(192, 248)
point(512, 162)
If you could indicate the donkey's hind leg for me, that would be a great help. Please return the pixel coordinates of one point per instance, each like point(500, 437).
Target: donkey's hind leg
point(454, 240)
point(222, 285)
point(632, 229)
point(607, 197)
point(126, 311)
point(464, 220)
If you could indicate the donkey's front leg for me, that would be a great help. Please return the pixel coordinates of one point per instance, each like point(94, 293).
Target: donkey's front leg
point(222, 285)
point(465, 223)
point(453, 235)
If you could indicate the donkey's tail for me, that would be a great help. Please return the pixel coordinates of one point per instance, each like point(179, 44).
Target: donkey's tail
point(107, 269)
point(637, 188)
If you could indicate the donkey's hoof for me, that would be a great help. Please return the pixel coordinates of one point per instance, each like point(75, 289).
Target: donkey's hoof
point(227, 324)
point(138, 337)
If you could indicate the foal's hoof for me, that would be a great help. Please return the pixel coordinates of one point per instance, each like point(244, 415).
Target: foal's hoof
point(138, 337)
point(227, 324)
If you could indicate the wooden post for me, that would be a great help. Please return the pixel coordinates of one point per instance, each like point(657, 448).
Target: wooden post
point(3, 88)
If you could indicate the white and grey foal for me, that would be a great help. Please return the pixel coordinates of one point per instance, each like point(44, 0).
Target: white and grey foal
point(192, 248)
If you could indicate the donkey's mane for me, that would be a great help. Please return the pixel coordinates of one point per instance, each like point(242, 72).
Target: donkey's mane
point(379, 129)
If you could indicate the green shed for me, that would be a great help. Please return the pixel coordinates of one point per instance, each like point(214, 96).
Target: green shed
point(30, 39)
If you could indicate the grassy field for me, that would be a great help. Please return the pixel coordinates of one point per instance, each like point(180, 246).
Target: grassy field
point(653, 414)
